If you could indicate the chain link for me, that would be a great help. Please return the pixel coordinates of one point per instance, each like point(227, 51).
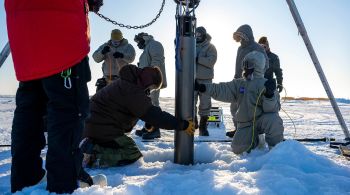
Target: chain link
point(133, 27)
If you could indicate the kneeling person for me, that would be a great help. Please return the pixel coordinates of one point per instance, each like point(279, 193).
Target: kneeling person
point(257, 101)
point(115, 110)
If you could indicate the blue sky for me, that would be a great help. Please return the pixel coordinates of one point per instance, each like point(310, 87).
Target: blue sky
point(327, 23)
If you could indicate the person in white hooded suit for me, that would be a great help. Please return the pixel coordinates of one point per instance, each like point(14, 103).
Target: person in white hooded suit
point(258, 104)
point(152, 56)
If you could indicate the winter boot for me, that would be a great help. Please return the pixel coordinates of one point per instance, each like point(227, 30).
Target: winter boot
point(261, 142)
point(100, 180)
point(196, 122)
point(230, 133)
point(86, 146)
point(140, 132)
point(151, 135)
point(89, 160)
point(44, 179)
point(203, 129)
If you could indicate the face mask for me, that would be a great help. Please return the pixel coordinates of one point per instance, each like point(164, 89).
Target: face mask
point(265, 46)
point(248, 74)
point(115, 43)
point(141, 44)
point(200, 38)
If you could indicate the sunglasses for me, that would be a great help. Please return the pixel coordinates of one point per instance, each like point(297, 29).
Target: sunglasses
point(264, 46)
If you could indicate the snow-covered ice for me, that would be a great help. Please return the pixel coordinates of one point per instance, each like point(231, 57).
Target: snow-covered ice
point(289, 168)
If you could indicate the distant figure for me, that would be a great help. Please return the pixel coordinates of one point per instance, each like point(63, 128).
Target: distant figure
point(244, 35)
point(116, 109)
point(152, 55)
point(49, 43)
point(116, 53)
point(274, 64)
point(205, 61)
point(257, 102)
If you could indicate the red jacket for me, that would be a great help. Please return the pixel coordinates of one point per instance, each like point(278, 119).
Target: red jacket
point(46, 36)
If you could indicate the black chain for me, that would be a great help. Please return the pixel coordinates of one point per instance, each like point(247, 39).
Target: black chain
point(133, 27)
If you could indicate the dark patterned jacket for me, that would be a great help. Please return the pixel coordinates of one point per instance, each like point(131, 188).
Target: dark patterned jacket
point(274, 63)
point(115, 109)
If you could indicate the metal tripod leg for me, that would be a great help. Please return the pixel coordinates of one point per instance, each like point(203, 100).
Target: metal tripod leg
point(4, 53)
point(303, 33)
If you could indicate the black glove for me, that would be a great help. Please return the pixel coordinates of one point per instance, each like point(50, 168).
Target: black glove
point(199, 87)
point(105, 50)
point(270, 86)
point(118, 55)
point(94, 5)
point(280, 88)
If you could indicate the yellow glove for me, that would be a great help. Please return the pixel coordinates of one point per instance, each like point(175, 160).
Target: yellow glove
point(190, 128)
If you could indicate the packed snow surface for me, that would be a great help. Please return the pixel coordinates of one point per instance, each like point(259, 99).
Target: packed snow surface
point(291, 167)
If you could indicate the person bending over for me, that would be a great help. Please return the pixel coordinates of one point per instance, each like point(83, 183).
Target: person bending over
point(115, 110)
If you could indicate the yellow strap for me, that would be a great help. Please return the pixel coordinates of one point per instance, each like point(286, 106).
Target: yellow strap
point(256, 105)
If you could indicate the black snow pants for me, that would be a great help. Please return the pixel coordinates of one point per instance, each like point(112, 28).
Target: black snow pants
point(66, 109)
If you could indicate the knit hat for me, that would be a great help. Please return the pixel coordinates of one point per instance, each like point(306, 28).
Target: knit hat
point(143, 77)
point(116, 35)
point(150, 76)
point(263, 40)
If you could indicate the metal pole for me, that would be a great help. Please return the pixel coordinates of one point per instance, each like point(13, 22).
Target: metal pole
point(184, 88)
point(303, 33)
point(4, 54)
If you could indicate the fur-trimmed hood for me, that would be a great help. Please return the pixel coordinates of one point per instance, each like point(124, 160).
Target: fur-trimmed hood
point(247, 32)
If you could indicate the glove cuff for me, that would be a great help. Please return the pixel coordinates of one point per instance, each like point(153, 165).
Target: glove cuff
point(202, 88)
point(268, 95)
point(149, 127)
point(183, 125)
